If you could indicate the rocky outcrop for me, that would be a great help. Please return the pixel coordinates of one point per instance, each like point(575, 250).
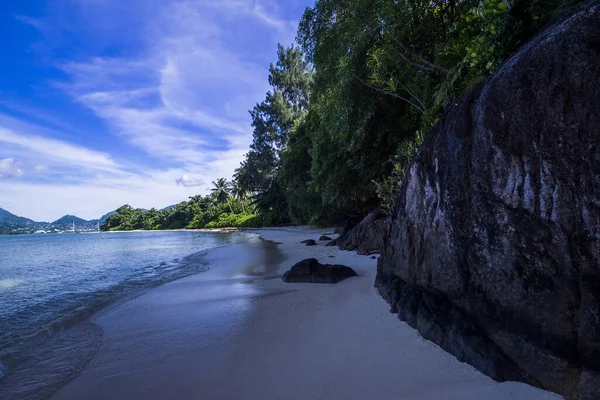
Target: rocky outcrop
point(367, 236)
point(311, 271)
point(493, 249)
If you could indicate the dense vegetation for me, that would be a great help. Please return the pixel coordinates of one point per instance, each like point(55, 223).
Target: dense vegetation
point(350, 104)
point(226, 206)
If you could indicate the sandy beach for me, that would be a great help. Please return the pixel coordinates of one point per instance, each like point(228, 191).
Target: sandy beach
point(239, 332)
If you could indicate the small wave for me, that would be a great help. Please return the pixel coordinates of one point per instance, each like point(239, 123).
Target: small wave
point(52, 364)
point(9, 283)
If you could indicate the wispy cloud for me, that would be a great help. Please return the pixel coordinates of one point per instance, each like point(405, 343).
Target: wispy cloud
point(55, 151)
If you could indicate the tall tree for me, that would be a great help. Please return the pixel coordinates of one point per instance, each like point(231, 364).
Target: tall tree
point(273, 120)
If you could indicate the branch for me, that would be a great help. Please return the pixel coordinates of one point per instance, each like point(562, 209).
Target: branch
point(425, 65)
point(389, 93)
point(406, 88)
point(436, 67)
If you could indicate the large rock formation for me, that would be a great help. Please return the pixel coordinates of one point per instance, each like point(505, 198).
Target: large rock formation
point(493, 250)
point(367, 236)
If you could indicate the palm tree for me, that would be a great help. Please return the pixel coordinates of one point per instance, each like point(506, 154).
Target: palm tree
point(221, 191)
point(240, 186)
point(238, 192)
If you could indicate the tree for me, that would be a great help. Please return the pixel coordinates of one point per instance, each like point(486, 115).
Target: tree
point(354, 129)
point(273, 120)
point(239, 189)
point(221, 191)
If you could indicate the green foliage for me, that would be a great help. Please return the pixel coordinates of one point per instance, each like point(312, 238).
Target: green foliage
point(235, 220)
point(218, 209)
point(387, 191)
point(484, 36)
point(302, 201)
point(273, 121)
point(384, 73)
point(375, 74)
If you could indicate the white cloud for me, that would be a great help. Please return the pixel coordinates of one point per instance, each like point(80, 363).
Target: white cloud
point(8, 169)
point(56, 151)
point(188, 180)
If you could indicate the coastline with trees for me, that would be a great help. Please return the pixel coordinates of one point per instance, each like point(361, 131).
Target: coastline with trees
point(227, 205)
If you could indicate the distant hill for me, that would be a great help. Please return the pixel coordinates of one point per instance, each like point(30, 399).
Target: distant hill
point(10, 223)
point(69, 220)
point(6, 217)
point(105, 217)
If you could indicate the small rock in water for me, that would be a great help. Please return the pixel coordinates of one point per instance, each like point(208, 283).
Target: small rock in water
point(332, 243)
point(324, 238)
point(310, 242)
point(311, 271)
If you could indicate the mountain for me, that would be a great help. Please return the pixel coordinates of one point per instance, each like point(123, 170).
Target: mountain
point(67, 222)
point(105, 217)
point(6, 217)
point(13, 223)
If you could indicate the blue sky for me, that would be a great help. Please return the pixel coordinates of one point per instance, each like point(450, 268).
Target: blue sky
point(144, 102)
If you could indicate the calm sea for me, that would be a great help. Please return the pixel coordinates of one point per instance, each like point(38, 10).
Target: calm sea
point(49, 283)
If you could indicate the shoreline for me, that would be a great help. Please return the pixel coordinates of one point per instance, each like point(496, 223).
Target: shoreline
point(239, 332)
point(78, 337)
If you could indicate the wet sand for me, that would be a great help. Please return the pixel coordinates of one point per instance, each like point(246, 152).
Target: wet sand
point(239, 332)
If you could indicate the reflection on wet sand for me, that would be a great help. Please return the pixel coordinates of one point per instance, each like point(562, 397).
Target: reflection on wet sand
point(267, 264)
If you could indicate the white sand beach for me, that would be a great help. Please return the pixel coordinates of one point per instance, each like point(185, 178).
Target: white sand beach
point(239, 332)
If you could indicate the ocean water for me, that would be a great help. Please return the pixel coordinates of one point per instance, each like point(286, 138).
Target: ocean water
point(49, 284)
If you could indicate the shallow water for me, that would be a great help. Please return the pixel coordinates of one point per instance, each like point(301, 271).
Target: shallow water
point(50, 282)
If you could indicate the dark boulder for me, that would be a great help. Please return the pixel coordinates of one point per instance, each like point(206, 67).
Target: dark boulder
point(332, 243)
point(493, 250)
point(367, 236)
point(324, 238)
point(311, 271)
point(309, 242)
